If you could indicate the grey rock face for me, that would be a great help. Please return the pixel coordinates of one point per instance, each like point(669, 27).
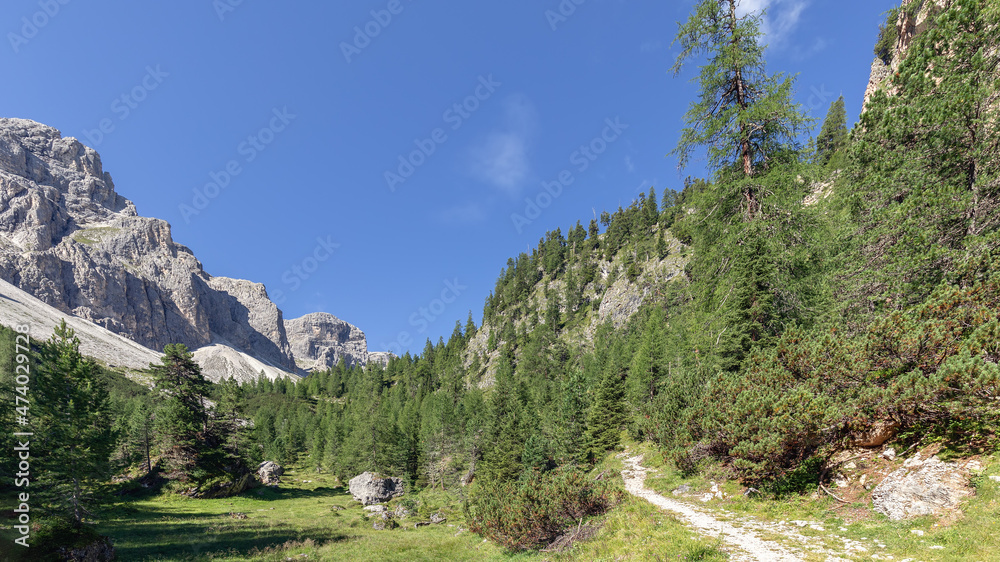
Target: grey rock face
point(241, 313)
point(921, 487)
point(380, 357)
point(68, 239)
point(320, 340)
point(369, 488)
point(270, 473)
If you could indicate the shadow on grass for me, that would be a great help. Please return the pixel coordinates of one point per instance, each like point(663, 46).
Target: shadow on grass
point(154, 534)
point(266, 493)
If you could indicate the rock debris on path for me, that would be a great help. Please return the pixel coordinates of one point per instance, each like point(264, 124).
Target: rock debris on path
point(736, 534)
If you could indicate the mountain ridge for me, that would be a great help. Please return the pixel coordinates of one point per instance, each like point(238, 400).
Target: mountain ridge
point(70, 240)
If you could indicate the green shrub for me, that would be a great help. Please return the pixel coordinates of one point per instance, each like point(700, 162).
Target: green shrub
point(933, 367)
point(529, 515)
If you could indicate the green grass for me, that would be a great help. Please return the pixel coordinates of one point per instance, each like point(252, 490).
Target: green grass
point(299, 519)
point(637, 530)
point(296, 519)
point(91, 236)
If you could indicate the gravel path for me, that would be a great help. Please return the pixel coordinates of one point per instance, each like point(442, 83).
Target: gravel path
point(750, 546)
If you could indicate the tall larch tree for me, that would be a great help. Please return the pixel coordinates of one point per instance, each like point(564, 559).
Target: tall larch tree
point(743, 115)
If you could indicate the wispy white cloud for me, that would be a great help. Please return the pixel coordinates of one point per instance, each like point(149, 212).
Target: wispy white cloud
point(629, 165)
point(802, 53)
point(501, 158)
point(650, 46)
point(781, 19)
point(464, 214)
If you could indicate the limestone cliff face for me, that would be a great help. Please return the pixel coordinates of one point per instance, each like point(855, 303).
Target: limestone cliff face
point(909, 24)
point(68, 239)
point(320, 340)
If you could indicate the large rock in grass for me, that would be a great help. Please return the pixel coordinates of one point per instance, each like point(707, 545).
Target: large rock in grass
point(370, 488)
point(270, 473)
point(922, 487)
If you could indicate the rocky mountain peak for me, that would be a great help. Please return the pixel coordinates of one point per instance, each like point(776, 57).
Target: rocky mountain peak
point(68, 239)
point(320, 340)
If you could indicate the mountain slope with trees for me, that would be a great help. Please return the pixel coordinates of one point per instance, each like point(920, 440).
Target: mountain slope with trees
point(728, 323)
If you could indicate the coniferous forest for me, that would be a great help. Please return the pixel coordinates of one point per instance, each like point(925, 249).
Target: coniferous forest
point(827, 279)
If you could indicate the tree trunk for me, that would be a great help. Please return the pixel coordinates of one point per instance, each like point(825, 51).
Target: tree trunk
point(77, 516)
point(746, 150)
point(149, 465)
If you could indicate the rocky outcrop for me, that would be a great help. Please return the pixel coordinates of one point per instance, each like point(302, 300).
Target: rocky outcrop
point(617, 300)
point(876, 435)
point(913, 19)
point(321, 340)
point(270, 473)
point(18, 308)
point(370, 488)
point(380, 357)
point(922, 487)
point(385, 522)
point(68, 239)
point(624, 298)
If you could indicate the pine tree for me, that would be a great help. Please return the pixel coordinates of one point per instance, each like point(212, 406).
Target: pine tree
point(502, 460)
point(181, 419)
point(229, 433)
point(572, 445)
point(607, 413)
point(751, 319)
point(470, 327)
point(662, 250)
point(593, 231)
point(72, 417)
point(537, 456)
point(926, 164)
point(553, 314)
point(650, 210)
point(833, 135)
point(744, 115)
point(573, 294)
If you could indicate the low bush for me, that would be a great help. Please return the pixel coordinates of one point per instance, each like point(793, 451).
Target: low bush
point(530, 514)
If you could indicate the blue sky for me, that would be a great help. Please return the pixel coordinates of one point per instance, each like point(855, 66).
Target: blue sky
point(366, 158)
